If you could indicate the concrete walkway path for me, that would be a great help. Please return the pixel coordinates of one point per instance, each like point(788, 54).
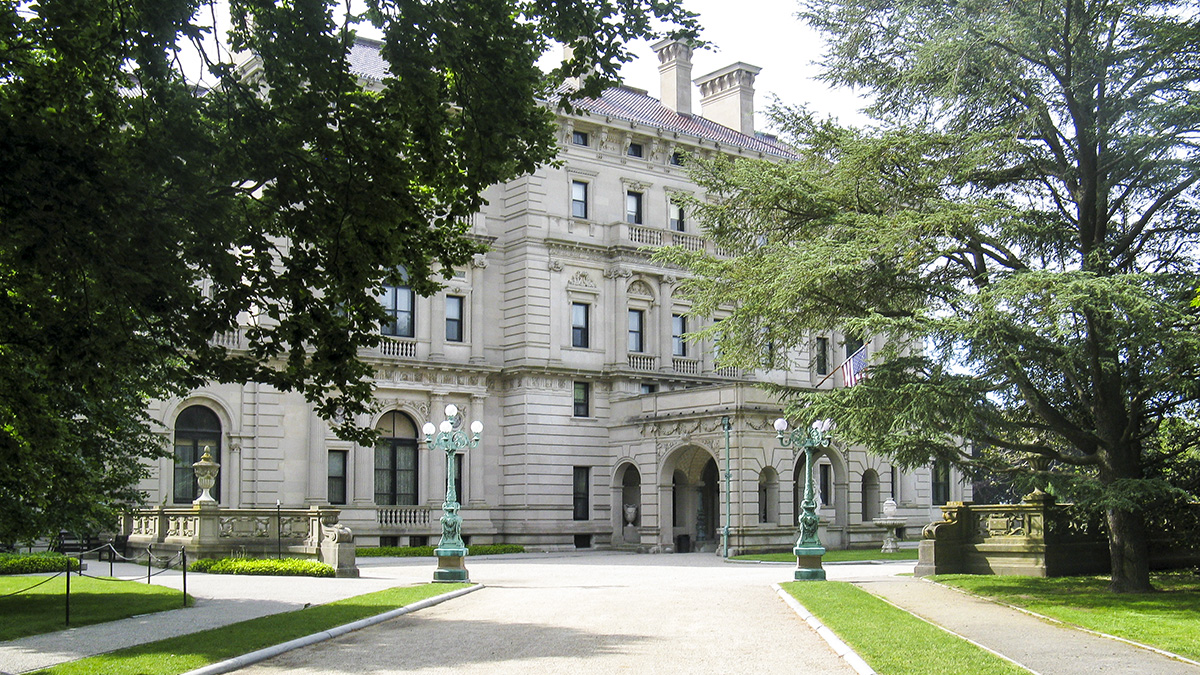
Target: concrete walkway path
point(596, 614)
point(1041, 646)
point(219, 600)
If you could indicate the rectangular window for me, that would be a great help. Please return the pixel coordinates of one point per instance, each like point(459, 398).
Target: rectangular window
point(337, 477)
point(582, 493)
point(583, 399)
point(678, 329)
point(396, 472)
point(454, 318)
point(579, 138)
point(637, 321)
point(579, 199)
point(458, 479)
point(633, 208)
point(579, 325)
point(853, 344)
point(635, 150)
point(677, 158)
point(397, 303)
point(821, 355)
point(649, 388)
point(826, 483)
point(677, 223)
point(941, 482)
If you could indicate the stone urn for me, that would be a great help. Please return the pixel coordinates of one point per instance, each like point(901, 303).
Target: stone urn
point(206, 476)
point(889, 508)
point(630, 513)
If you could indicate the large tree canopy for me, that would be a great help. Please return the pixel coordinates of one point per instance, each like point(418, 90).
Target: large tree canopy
point(1022, 224)
point(141, 213)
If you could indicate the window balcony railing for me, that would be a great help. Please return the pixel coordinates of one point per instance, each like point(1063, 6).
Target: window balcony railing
point(642, 362)
point(229, 340)
point(728, 371)
point(686, 366)
point(645, 236)
point(403, 516)
point(406, 349)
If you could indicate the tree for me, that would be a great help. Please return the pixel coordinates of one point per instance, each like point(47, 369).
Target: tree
point(1021, 223)
point(142, 213)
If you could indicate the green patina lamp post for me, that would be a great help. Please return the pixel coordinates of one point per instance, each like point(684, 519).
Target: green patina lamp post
point(451, 551)
point(808, 548)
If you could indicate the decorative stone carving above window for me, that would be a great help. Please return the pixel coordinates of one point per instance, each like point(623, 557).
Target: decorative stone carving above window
point(639, 287)
point(581, 280)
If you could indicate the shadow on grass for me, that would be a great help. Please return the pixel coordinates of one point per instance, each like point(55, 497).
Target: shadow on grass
point(93, 600)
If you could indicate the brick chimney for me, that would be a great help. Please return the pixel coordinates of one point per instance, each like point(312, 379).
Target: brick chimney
point(675, 73)
point(727, 96)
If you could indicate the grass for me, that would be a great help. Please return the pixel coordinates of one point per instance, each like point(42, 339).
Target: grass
point(1165, 619)
point(891, 640)
point(196, 650)
point(41, 610)
point(835, 556)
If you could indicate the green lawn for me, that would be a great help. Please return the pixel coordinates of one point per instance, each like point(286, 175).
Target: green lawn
point(835, 556)
point(41, 610)
point(1166, 619)
point(891, 640)
point(188, 652)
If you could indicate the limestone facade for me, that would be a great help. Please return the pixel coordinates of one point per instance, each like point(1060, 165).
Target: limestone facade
point(601, 427)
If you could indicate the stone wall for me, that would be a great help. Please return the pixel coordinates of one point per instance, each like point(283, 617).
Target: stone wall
point(1037, 537)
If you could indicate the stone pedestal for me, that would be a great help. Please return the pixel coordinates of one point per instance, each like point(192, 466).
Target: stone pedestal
point(451, 567)
point(808, 563)
point(889, 537)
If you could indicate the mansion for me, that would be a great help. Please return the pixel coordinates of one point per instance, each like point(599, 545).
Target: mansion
point(603, 427)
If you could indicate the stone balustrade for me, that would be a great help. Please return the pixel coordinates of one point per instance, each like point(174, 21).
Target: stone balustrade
point(210, 531)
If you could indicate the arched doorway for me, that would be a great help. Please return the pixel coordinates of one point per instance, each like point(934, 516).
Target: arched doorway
point(396, 461)
point(870, 495)
point(831, 491)
point(628, 488)
point(690, 515)
point(197, 429)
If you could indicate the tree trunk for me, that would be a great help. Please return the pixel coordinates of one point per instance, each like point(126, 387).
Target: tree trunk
point(1128, 550)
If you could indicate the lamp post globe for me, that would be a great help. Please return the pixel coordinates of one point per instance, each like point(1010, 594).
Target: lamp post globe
point(451, 550)
point(808, 548)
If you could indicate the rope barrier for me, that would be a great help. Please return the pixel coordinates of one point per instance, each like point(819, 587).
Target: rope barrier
point(46, 580)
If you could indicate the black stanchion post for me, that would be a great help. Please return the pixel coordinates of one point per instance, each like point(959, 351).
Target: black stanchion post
point(183, 558)
point(112, 555)
point(278, 533)
point(67, 558)
point(149, 560)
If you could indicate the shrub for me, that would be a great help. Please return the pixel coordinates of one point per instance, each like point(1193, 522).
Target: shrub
point(287, 567)
point(35, 563)
point(202, 565)
point(427, 551)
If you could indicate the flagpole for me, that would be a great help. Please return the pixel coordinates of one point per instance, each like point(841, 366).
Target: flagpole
point(851, 357)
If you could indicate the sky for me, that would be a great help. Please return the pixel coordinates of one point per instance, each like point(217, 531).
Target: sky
point(763, 33)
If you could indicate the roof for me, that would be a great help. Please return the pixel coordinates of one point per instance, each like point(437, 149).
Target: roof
point(633, 105)
point(619, 102)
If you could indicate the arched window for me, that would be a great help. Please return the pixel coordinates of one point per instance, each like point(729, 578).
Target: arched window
point(197, 428)
point(870, 495)
point(396, 461)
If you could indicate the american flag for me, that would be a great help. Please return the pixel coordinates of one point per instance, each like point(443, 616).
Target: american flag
point(854, 369)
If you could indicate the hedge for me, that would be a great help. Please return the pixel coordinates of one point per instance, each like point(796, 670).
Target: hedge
point(427, 551)
point(35, 563)
point(287, 567)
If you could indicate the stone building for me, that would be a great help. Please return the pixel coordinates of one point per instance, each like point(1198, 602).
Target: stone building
point(603, 427)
